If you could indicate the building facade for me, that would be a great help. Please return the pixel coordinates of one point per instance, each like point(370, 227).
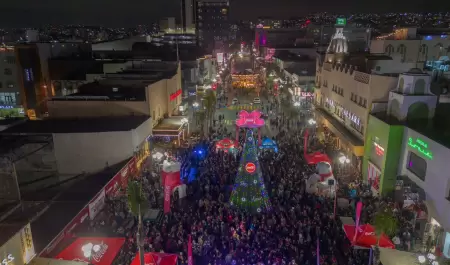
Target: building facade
point(212, 23)
point(10, 98)
point(406, 153)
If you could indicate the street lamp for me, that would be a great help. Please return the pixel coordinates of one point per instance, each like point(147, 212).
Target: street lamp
point(344, 160)
point(311, 122)
point(429, 259)
point(185, 121)
point(90, 249)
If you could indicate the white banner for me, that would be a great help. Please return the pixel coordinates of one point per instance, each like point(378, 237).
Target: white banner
point(97, 204)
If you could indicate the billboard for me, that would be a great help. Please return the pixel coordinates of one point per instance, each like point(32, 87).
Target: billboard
point(219, 57)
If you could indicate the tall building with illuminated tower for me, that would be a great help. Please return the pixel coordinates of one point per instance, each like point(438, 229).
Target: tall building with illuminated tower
point(212, 23)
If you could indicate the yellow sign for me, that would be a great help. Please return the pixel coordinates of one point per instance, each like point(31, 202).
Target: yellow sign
point(26, 240)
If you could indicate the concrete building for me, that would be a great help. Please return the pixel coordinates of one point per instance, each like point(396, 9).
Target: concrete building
point(406, 152)
point(125, 44)
point(33, 72)
point(212, 23)
point(88, 145)
point(167, 25)
point(10, 98)
point(188, 16)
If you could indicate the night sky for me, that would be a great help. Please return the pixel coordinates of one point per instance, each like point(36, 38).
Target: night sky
point(132, 12)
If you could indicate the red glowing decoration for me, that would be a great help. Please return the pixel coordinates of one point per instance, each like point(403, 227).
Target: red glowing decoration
point(378, 149)
point(250, 167)
point(250, 120)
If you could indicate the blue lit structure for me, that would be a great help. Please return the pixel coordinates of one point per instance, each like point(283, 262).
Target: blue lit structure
point(270, 144)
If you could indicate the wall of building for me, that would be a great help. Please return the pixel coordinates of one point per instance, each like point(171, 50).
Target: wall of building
point(353, 92)
point(436, 181)
point(141, 133)
point(389, 140)
point(78, 153)
point(82, 108)
point(9, 78)
point(118, 45)
point(412, 51)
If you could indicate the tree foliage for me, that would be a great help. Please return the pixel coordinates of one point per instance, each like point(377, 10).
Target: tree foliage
point(136, 198)
point(385, 223)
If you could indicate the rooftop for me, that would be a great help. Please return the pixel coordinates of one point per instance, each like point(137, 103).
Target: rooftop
point(85, 125)
point(292, 57)
point(302, 69)
point(50, 209)
point(435, 129)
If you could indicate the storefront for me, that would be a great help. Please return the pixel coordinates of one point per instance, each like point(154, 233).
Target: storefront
point(19, 249)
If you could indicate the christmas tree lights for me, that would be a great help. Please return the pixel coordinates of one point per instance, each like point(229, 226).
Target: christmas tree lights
point(249, 192)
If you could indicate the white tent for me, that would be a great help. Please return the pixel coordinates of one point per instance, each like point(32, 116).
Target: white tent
point(397, 257)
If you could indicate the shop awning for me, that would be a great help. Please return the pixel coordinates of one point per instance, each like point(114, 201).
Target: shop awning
point(337, 128)
point(365, 237)
point(108, 248)
point(397, 257)
point(46, 261)
point(153, 258)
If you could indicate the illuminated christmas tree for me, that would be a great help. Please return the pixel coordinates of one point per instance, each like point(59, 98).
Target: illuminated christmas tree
point(249, 192)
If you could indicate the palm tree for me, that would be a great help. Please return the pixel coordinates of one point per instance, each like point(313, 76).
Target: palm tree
point(385, 223)
point(137, 202)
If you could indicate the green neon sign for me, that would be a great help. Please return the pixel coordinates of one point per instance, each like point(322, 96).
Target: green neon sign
point(341, 21)
point(420, 146)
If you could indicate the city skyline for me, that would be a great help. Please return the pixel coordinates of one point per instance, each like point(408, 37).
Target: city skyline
point(108, 13)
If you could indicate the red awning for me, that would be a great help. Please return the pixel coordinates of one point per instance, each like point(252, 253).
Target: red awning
point(154, 258)
point(317, 157)
point(366, 237)
point(105, 255)
point(226, 143)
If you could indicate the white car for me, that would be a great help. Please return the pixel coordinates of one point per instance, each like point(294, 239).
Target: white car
point(257, 101)
point(235, 101)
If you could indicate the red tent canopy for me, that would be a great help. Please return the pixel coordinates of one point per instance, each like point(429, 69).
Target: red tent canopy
point(316, 157)
point(366, 237)
point(154, 258)
point(105, 255)
point(226, 143)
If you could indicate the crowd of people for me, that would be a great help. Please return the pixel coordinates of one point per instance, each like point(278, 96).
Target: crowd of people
point(299, 227)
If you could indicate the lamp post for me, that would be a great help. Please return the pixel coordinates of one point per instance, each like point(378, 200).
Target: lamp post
point(89, 249)
point(429, 259)
point(185, 121)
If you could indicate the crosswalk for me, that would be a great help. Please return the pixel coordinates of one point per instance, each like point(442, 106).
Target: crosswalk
point(229, 122)
point(244, 107)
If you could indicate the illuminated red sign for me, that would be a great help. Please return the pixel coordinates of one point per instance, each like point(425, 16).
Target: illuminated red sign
point(250, 167)
point(174, 95)
point(378, 149)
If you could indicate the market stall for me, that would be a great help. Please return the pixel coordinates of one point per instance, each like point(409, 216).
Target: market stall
point(269, 144)
point(93, 250)
point(365, 237)
point(156, 258)
point(226, 145)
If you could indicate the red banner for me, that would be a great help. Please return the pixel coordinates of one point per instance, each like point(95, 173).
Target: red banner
point(190, 258)
point(120, 180)
point(154, 258)
point(167, 195)
point(175, 94)
point(109, 247)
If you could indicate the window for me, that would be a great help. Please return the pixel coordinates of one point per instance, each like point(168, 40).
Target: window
point(365, 103)
point(378, 68)
point(7, 71)
point(417, 165)
point(10, 84)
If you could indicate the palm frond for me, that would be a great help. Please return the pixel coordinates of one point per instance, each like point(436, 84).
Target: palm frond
point(136, 197)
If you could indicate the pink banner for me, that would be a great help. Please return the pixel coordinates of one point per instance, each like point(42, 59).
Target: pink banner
point(167, 193)
point(190, 258)
point(359, 207)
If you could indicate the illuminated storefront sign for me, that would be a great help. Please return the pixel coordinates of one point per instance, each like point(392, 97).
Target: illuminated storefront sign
point(378, 149)
point(420, 146)
point(341, 21)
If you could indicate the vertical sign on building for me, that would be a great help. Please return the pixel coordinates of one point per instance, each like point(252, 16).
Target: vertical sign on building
point(26, 240)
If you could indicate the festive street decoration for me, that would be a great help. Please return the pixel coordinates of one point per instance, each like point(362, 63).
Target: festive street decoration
point(249, 120)
point(249, 192)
